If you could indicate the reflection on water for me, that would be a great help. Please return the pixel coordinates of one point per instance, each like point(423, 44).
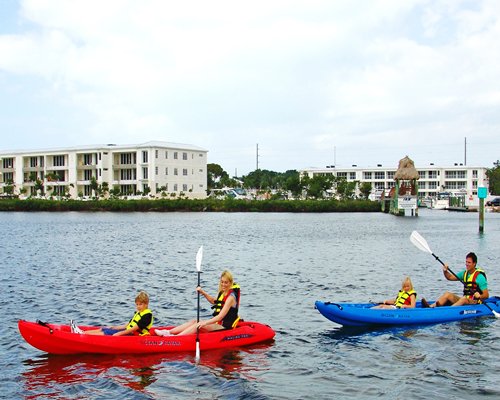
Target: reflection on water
point(137, 372)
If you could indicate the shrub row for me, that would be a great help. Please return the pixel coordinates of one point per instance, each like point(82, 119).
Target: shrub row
point(209, 205)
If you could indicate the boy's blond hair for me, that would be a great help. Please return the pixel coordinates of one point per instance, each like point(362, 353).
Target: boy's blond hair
point(142, 298)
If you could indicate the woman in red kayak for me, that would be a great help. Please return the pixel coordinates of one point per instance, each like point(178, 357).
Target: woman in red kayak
point(225, 307)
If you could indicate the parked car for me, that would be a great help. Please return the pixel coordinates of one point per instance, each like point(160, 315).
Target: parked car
point(495, 202)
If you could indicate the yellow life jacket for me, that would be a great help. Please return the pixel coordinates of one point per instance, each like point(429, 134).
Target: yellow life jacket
point(231, 319)
point(404, 298)
point(136, 318)
point(470, 285)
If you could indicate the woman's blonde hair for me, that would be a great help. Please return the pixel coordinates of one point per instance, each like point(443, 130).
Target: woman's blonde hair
point(229, 276)
point(407, 280)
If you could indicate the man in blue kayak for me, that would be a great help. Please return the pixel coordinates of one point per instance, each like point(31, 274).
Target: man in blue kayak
point(474, 281)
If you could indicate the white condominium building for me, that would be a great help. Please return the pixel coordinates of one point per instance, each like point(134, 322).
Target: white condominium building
point(457, 179)
point(154, 168)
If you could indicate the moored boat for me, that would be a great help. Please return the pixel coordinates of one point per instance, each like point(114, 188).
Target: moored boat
point(362, 314)
point(58, 339)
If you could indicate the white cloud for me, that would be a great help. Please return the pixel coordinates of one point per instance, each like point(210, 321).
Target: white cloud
point(298, 77)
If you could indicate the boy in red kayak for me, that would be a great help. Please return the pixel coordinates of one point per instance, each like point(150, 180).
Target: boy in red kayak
point(140, 324)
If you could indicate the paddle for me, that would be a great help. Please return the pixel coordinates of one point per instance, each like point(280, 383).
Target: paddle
point(421, 244)
point(199, 256)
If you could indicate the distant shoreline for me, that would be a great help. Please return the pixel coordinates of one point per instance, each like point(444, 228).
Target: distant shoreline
point(191, 205)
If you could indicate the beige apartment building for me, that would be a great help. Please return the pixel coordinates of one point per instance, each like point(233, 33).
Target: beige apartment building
point(154, 169)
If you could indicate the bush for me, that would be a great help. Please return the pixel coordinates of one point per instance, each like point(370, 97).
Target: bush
point(182, 204)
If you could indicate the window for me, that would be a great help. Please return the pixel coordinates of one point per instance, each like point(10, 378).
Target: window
point(58, 161)
point(184, 188)
point(379, 175)
point(432, 185)
point(8, 162)
point(390, 174)
point(128, 174)
point(450, 174)
point(166, 170)
point(184, 156)
point(175, 155)
point(156, 153)
point(175, 187)
point(461, 174)
point(156, 170)
point(352, 176)
point(432, 174)
point(474, 173)
point(87, 159)
point(8, 177)
point(474, 184)
point(379, 185)
point(144, 156)
point(127, 158)
point(33, 162)
point(342, 175)
point(367, 175)
point(421, 174)
point(176, 171)
point(87, 191)
point(145, 173)
point(185, 172)
point(59, 190)
point(166, 154)
point(87, 175)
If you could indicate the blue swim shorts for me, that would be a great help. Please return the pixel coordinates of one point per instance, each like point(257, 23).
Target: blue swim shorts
point(109, 331)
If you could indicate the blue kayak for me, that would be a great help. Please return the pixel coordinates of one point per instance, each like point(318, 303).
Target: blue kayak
point(361, 314)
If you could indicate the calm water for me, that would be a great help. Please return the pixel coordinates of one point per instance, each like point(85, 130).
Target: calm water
point(89, 266)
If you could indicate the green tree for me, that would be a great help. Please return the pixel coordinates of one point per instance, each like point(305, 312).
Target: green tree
point(215, 176)
point(493, 175)
point(292, 183)
point(9, 187)
point(365, 188)
point(39, 186)
point(94, 186)
point(345, 190)
point(318, 185)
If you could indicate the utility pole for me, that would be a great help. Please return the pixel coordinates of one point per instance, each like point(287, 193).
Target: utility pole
point(465, 152)
point(257, 158)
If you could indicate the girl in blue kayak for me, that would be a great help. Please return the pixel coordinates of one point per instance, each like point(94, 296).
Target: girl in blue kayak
point(406, 298)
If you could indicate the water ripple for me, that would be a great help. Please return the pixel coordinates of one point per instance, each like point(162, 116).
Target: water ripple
point(89, 266)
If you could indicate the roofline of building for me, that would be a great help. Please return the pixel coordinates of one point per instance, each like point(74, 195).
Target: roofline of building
point(381, 167)
point(107, 147)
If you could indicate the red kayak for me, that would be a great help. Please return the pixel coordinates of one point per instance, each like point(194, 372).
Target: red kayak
point(58, 339)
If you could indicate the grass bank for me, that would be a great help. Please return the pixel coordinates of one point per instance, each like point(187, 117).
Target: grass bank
point(207, 205)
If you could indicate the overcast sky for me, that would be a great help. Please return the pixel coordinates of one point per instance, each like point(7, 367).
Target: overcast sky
point(313, 83)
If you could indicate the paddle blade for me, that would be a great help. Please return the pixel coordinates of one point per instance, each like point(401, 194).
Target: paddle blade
point(197, 356)
point(199, 257)
point(420, 242)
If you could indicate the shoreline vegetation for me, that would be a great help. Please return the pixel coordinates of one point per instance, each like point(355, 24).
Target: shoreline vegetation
point(191, 205)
